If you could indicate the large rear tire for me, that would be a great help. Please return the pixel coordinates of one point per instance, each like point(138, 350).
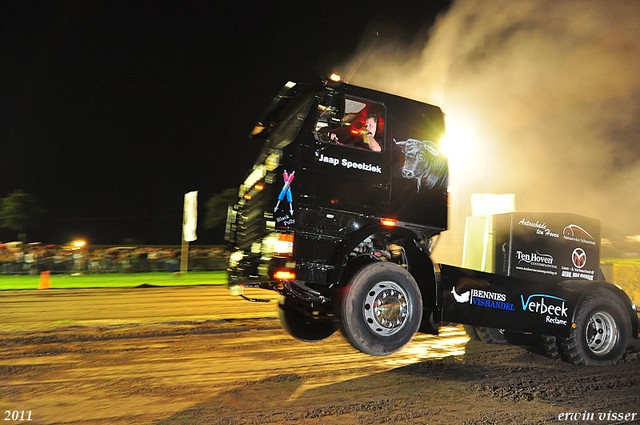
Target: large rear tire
point(302, 326)
point(490, 335)
point(601, 333)
point(549, 346)
point(539, 344)
point(471, 332)
point(381, 309)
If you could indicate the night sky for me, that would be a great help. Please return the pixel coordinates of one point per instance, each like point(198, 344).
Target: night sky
point(111, 111)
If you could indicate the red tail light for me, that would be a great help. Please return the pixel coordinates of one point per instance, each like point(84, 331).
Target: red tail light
point(284, 275)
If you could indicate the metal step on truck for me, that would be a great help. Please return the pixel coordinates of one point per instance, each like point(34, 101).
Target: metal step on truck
point(339, 214)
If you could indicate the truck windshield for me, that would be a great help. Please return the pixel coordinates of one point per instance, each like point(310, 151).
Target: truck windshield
point(291, 123)
point(283, 119)
point(288, 99)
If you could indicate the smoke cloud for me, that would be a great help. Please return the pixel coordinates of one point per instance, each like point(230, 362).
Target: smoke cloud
point(546, 93)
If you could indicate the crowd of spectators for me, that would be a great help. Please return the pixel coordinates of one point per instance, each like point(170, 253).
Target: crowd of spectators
point(59, 260)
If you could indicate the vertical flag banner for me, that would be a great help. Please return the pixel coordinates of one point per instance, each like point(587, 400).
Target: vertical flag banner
point(190, 219)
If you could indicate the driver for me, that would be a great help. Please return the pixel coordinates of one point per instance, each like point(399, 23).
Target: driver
point(369, 132)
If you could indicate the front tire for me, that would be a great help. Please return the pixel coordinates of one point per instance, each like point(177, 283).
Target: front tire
point(601, 334)
point(300, 325)
point(381, 309)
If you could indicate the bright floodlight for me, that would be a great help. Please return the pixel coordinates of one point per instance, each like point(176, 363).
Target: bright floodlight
point(458, 139)
point(460, 144)
point(335, 77)
point(79, 244)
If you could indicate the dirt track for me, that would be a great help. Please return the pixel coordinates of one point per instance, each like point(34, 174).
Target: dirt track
point(193, 355)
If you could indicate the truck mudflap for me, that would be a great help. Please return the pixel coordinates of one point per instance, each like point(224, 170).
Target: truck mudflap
point(505, 302)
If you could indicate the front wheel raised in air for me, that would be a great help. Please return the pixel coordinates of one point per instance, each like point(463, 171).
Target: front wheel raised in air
point(302, 326)
point(381, 309)
point(601, 333)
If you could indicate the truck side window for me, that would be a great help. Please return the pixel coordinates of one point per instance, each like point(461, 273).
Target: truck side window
point(358, 124)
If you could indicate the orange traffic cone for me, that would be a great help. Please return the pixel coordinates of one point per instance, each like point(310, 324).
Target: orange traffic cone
point(45, 280)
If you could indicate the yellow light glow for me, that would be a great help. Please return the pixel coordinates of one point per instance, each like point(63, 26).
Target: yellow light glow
point(458, 140)
point(284, 244)
point(79, 244)
point(235, 258)
point(461, 146)
point(335, 77)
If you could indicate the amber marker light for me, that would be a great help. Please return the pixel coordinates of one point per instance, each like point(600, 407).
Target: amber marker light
point(335, 77)
point(247, 196)
point(389, 222)
point(284, 244)
point(284, 275)
point(259, 187)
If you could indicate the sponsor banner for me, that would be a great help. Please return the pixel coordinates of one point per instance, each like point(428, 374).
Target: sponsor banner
point(547, 246)
point(503, 302)
point(575, 233)
point(483, 298)
point(578, 270)
point(553, 309)
point(560, 226)
point(536, 262)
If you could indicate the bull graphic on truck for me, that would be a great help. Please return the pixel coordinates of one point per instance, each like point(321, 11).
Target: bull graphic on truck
point(423, 162)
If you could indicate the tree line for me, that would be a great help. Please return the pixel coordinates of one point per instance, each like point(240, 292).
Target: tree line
point(20, 212)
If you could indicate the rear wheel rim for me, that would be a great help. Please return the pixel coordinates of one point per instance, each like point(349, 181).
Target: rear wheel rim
point(601, 333)
point(386, 308)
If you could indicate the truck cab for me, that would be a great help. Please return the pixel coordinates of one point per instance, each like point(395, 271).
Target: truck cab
point(321, 202)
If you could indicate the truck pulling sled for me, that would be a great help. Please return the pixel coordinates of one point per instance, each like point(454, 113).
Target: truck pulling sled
point(339, 213)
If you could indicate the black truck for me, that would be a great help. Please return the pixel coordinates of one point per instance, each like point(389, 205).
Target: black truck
point(339, 215)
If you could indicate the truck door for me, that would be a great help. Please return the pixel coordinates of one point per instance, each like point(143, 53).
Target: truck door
point(419, 176)
point(350, 164)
